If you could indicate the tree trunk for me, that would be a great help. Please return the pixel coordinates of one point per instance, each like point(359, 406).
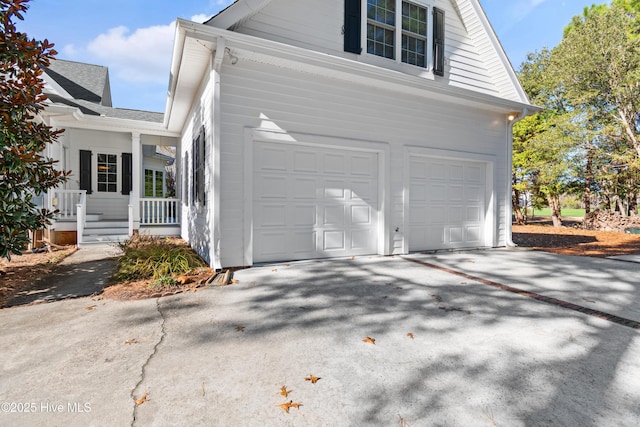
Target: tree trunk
point(588, 178)
point(517, 210)
point(554, 205)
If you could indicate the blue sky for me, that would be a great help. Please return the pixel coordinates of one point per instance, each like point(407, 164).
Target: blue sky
point(134, 38)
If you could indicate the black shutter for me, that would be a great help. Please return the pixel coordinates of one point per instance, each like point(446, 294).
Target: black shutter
point(201, 166)
point(352, 26)
point(194, 170)
point(85, 170)
point(127, 174)
point(438, 41)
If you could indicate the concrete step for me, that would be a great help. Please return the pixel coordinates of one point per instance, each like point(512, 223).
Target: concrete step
point(105, 231)
point(106, 224)
point(107, 240)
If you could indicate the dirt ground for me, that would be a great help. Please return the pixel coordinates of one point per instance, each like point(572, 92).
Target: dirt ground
point(24, 269)
point(540, 235)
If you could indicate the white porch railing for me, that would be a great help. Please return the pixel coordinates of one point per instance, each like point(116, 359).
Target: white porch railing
point(81, 220)
point(157, 211)
point(66, 202)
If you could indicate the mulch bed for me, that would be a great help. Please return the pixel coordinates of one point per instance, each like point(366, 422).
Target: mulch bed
point(572, 240)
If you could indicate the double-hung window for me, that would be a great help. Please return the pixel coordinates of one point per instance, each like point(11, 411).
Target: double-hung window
point(384, 23)
point(107, 173)
point(410, 32)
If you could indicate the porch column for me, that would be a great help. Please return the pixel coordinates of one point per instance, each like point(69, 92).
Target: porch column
point(136, 173)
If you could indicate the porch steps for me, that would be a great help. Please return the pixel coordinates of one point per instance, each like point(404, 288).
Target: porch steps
point(97, 232)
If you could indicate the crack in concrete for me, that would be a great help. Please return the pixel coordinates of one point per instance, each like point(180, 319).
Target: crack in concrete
point(163, 333)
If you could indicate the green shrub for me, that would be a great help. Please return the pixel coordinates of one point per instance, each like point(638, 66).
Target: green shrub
point(147, 257)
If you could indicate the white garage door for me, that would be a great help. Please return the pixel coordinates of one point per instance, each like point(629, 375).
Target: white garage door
point(313, 202)
point(447, 204)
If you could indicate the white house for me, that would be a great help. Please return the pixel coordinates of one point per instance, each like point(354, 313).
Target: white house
point(312, 129)
point(118, 176)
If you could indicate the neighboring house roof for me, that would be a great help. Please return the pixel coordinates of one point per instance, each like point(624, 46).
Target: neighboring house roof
point(87, 88)
point(81, 81)
point(91, 109)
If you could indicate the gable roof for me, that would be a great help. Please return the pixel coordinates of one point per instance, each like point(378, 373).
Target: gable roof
point(81, 81)
point(86, 87)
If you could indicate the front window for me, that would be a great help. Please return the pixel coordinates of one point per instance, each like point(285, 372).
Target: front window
point(382, 30)
point(108, 173)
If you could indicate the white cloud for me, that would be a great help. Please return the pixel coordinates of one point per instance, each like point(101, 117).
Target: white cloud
point(201, 18)
point(143, 55)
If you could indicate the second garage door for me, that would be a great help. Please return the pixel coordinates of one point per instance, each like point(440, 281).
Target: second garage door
point(313, 202)
point(447, 204)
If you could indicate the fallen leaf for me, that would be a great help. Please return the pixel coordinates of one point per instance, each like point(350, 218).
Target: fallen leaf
point(286, 406)
point(275, 270)
point(410, 335)
point(131, 341)
point(370, 340)
point(463, 283)
point(312, 379)
point(235, 281)
point(142, 399)
point(91, 307)
point(284, 392)
point(98, 298)
point(240, 328)
point(295, 405)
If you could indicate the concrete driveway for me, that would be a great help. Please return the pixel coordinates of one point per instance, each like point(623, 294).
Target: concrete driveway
point(497, 341)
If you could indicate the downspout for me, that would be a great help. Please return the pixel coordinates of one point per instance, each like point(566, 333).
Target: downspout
point(214, 180)
point(512, 119)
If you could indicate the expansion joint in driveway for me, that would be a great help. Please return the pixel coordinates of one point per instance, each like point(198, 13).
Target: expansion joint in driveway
point(549, 300)
point(146, 363)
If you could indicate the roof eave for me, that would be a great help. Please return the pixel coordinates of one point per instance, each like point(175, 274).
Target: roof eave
point(246, 46)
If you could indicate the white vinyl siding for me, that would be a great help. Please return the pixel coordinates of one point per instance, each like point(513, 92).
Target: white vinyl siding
point(471, 59)
point(256, 95)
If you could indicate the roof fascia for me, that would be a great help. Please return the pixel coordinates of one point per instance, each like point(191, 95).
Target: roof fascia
point(497, 45)
point(344, 69)
point(236, 13)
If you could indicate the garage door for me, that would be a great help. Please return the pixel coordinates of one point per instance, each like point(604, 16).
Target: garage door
point(312, 202)
point(447, 204)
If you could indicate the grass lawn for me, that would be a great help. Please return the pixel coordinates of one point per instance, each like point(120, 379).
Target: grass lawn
point(564, 212)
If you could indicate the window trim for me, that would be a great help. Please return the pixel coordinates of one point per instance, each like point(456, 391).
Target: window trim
point(118, 164)
point(398, 31)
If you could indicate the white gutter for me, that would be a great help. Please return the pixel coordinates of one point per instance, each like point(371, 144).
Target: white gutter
point(509, 195)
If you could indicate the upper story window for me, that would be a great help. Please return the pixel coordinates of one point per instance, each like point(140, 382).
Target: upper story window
point(382, 31)
point(411, 32)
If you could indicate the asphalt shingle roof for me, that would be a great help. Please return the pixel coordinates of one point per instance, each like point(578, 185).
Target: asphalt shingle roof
point(89, 86)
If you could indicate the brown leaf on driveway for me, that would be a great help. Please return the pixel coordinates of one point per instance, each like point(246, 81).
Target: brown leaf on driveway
point(240, 328)
point(286, 406)
point(131, 341)
point(284, 392)
point(312, 379)
point(91, 308)
point(410, 335)
point(370, 340)
point(142, 399)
